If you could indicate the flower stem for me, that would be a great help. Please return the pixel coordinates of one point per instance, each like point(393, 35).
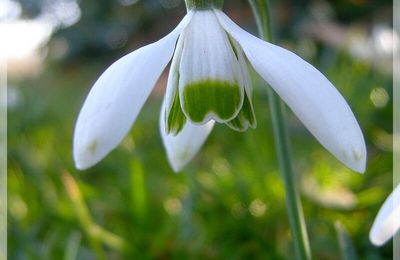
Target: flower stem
point(261, 13)
point(203, 4)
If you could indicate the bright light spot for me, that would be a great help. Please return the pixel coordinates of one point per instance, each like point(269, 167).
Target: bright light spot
point(173, 206)
point(376, 47)
point(61, 13)
point(257, 208)
point(379, 97)
point(332, 196)
point(21, 38)
point(10, 10)
point(67, 12)
point(386, 40)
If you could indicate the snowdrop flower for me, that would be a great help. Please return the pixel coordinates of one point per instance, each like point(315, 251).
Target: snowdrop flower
point(209, 82)
point(387, 223)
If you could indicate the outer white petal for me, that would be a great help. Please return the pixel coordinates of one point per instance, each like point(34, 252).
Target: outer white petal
point(182, 147)
point(117, 97)
point(387, 223)
point(308, 93)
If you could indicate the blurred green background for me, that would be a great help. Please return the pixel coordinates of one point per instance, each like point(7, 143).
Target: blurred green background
point(228, 203)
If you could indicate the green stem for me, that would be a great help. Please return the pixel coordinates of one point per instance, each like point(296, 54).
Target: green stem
point(203, 4)
point(295, 212)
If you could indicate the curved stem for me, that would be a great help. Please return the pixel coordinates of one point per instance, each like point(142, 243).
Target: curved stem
point(261, 13)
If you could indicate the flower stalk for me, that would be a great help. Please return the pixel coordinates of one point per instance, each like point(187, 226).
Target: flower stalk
point(203, 4)
point(261, 13)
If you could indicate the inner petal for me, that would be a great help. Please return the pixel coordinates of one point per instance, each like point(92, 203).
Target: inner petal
point(246, 116)
point(175, 119)
point(211, 99)
point(210, 82)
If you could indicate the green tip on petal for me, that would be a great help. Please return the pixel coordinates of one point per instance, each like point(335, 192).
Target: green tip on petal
point(245, 118)
point(175, 118)
point(211, 99)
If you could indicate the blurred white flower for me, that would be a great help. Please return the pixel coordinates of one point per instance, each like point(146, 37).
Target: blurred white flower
point(387, 222)
point(208, 82)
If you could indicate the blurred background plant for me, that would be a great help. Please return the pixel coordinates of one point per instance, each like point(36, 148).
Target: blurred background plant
point(229, 202)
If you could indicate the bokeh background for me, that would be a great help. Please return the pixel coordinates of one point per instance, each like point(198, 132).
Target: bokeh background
point(229, 202)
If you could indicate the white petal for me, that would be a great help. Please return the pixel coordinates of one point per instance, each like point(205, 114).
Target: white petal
point(117, 97)
point(181, 148)
point(208, 58)
point(207, 52)
point(310, 95)
point(173, 76)
point(387, 223)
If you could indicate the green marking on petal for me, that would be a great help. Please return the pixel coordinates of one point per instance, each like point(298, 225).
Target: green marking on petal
point(175, 119)
point(356, 156)
point(212, 99)
point(92, 147)
point(245, 118)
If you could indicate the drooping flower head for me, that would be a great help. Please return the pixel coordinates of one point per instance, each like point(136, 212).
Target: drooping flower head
point(209, 82)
